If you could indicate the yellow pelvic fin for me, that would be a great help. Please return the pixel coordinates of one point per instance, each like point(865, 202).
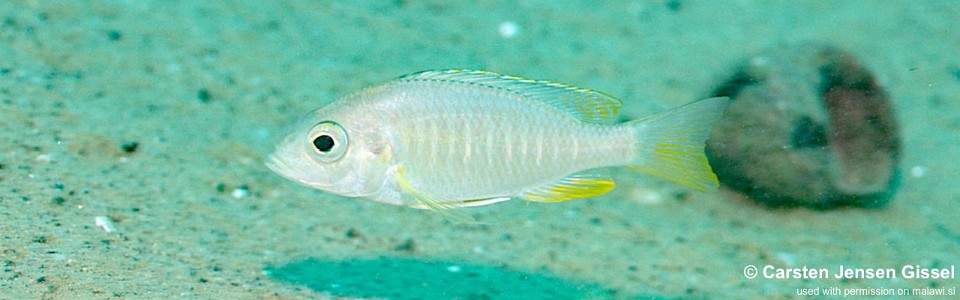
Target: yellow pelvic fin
point(583, 104)
point(447, 209)
point(578, 185)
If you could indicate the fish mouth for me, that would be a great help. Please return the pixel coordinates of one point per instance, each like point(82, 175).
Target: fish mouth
point(277, 165)
point(287, 170)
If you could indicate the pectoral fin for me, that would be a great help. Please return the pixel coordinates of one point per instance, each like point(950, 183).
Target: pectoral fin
point(447, 209)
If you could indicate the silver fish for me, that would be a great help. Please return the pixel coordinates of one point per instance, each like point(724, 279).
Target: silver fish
point(455, 138)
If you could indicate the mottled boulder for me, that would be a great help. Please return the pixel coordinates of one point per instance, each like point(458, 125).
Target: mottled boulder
point(807, 126)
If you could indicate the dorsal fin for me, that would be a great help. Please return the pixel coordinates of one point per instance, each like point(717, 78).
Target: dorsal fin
point(584, 104)
point(584, 184)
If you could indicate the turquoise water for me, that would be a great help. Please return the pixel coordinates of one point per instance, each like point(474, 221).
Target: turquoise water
point(131, 161)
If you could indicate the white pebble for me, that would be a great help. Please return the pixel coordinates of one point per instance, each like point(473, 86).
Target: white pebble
point(509, 29)
point(787, 258)
point(105, 223)
point(453, 269)
point(44, 158)
point(240, 192)
point(918, 171)
point(646, 196)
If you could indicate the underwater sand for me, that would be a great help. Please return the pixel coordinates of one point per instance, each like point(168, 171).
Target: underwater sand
point(157, 115)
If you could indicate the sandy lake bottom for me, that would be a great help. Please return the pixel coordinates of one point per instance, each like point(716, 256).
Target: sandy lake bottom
point(132, 138)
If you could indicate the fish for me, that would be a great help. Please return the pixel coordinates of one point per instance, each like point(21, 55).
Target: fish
point(446, 139)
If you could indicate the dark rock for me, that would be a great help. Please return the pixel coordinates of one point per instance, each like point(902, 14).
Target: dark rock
point(129, 147)
point(807, 126)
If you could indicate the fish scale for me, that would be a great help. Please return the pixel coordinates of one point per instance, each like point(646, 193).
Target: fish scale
point(505, 122)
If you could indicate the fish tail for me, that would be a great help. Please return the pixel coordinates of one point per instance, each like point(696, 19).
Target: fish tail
point(671, 144)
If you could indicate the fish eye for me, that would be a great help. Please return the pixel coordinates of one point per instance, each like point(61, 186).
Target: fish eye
point(324, 143)
point(329, 141)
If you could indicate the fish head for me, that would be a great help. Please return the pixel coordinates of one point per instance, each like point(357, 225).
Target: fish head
point(341, 153)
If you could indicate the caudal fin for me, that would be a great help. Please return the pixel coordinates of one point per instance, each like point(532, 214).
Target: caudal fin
point(671, 144)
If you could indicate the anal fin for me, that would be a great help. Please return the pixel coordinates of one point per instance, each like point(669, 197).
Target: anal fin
point(482, 202)
point(584, 184)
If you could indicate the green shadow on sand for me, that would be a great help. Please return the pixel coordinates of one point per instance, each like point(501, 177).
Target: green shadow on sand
point(407, 278)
